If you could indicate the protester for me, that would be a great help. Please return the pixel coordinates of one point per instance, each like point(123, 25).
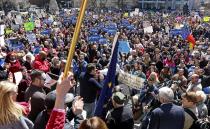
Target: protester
point(159, 116)
point(189, 102)
point(89, 87)
point(93, 123)
point(11, 112)
point(121, 116)
point(156, 49)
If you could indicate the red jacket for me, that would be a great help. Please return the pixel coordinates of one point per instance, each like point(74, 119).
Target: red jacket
point(57, 119)
point(15, 67)
point(41, 65)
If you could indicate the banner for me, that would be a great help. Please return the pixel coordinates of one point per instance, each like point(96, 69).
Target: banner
point(14, 44)
point(131, 81)
point(29, 26)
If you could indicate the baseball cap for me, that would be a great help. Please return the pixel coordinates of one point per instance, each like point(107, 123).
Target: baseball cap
point(118, 97)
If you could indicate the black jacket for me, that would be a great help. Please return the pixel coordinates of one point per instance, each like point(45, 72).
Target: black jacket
point(88, 87)
point(120, 118)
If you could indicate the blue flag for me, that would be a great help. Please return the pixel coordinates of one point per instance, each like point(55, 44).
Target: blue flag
point(109, 83)
point(185, 32)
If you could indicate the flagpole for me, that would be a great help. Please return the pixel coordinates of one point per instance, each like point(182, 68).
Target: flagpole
point(75, 37)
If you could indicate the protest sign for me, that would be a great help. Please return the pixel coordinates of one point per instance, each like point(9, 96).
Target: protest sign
point(31, 38)
point(136, 12)
point(206, 19)
point(37, 23)
point(18, 20)
point(140, 14)
point(148, 29)
point(14, 44)
point(126, 15)
point(175, 32)
point(2, 43)
point(8, 31)
point(46, 32)
point(103, 41)
point(18, 77)
point(95, 16)
point(131, 81)
point(94, 38)
point(2, 29)
point(124, 46)
point(29, 26)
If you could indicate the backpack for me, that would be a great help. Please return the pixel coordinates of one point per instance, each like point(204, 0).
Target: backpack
point(197, 123)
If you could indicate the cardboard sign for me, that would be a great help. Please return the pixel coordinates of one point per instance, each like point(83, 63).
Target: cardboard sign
point(130, 80)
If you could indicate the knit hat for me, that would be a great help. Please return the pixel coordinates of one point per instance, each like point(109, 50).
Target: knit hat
point(118, 97)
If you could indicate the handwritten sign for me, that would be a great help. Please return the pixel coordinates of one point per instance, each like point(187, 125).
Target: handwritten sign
point(130, 80)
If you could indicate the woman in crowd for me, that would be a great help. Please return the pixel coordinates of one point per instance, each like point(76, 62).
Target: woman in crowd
point(93, 123)
point(11, 113)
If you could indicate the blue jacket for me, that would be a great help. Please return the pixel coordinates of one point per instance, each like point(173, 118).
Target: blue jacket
point(167, 116)
point(88, 87)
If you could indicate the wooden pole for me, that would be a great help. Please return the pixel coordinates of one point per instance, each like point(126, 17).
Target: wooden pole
point(75, 37)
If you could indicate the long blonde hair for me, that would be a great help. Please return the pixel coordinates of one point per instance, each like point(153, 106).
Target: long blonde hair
point(10, 111)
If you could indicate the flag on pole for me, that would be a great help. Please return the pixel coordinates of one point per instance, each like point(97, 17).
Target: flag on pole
point(186, 35)
point(109, 83)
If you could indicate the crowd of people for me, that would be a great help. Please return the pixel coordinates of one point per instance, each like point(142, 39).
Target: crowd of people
point(174, 94)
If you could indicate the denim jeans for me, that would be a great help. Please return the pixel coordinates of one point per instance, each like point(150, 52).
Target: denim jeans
point(90, 109)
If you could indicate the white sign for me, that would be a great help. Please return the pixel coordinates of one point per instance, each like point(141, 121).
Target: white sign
point(18, 77)
point(18, 20)
point(130, 80)
point(37, 23)
point(2, 42)
point(140, 14)
point(2, 29)
point(95, 16)
point(148, 29)
point(136, 11)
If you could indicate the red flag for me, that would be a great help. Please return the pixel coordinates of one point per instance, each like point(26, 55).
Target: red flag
point(191, 40)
